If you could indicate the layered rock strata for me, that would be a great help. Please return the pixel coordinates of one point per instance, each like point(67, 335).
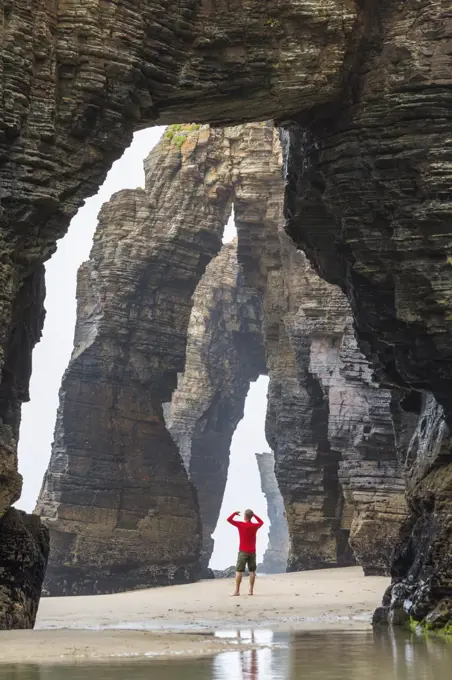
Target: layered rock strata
point(331, 423)
point(317, 538)
point(83, 91)
point(73, 93)
point(109, 493)
point(234, 304)
point(327, 422)
point(275, 557)
point(302, 455)
point(368, 198)
point(224, 354)
point(379, 70)
point(116, 497)
point(363, 77)
point(297, 431)
point(360, 439)
point(421, 589)
point(24, 551)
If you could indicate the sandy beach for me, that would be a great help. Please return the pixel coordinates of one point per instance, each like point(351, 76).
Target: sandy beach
point(188, 619)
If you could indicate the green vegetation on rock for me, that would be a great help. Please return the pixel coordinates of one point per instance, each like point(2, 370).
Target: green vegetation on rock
point(178, 133)
point(427, 628)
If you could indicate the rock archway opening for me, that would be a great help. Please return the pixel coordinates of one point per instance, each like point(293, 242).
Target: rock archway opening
point(230, 230)
point(168, 314)
point(177, 309)
point(243, 487)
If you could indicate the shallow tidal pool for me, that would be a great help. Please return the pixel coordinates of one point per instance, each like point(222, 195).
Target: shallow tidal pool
point(379, 655)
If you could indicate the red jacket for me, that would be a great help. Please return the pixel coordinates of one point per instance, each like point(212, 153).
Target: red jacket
point(247, 532)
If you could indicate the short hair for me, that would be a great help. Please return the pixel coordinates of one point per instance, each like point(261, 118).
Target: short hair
point(249, 514)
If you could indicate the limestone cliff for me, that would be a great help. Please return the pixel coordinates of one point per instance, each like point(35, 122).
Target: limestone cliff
point(360, 441)
point(368, 198)
point(275, 557)
point(108, 493)
point(327, 422)
point(316, 535)
point(81, 93)
point(116, 496)
point(331, 423)
point(235, 306)
point(224, 354)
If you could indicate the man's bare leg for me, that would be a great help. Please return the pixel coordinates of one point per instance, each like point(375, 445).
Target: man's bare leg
point(252, 579)
point(238, 580)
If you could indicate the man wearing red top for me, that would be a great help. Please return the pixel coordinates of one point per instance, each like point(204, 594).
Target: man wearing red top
point(247, 547)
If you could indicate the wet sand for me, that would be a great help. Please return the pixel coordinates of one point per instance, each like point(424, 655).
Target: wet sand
point(150, 619)
point(67, 647)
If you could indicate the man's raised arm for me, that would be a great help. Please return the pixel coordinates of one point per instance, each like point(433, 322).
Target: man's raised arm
point(231, 519)
point(259, 521)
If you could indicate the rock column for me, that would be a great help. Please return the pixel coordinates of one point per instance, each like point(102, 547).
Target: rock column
point(116, 497)
point(275, 557)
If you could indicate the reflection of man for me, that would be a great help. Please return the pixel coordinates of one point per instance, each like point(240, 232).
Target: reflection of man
point(247, 547)
point(253, 669)
point(250, 666)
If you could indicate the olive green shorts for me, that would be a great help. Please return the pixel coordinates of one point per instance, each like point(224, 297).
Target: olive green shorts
point(244, 558)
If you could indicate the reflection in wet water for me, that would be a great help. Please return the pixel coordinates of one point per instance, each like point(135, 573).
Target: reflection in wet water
point(271, 661)
point(380, 655)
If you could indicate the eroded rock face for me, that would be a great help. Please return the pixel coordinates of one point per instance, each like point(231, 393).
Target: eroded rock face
point(135, 301)
point(15, 363)
point(329, 421)
point(116, 497)
point(135, 521)
point(301, 448)
point(90, 75)
point(226, 325)
point(275, 557)
point(219, 327)
point(224, 354)
point(381, 69)
point(83, 91)
point(297, 431)
point(422, 564)
point(360, 432)
point(24, 550)
point(367, 198)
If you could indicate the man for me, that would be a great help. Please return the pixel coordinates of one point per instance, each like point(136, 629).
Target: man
point(247, 547)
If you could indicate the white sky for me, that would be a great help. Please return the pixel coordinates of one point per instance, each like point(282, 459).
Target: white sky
point(51, 357)
point(243, 488)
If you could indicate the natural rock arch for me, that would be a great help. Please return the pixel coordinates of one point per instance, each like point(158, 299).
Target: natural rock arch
point(90, 74)
point(361, 76)
point(115, 496)
point(225, 352)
